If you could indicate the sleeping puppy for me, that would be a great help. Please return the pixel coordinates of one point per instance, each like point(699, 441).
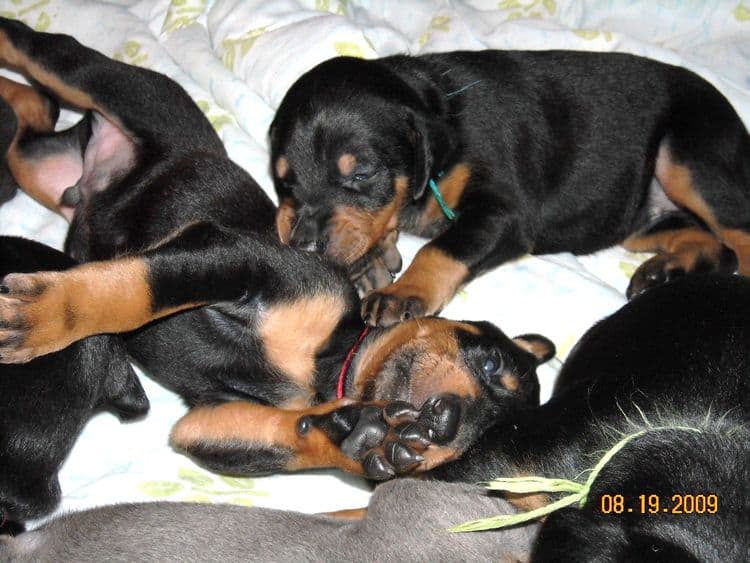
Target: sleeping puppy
point(493, 155)
point(407, 520)
point(672, 364)
point(45, 403)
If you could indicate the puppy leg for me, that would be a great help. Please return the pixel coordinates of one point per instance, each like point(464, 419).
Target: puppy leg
point(680, 251)
point(486, 234)
point(45, 311)
point(707, 172)
point(126, 120)
point(373, 439)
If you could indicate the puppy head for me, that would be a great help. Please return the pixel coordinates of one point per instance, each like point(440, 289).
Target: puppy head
point(475, 361)
point(351, 145)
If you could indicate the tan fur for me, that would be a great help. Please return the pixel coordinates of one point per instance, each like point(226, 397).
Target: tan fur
point(678, 185)
point(293, 333)
point(347, 514)
point(440, 368)
point(57, 308)
point(452, 187)
point(286, 216)
point(260, 424)
point(282, 167)
point(346, 164)
point(433, 277)
point(354, 231)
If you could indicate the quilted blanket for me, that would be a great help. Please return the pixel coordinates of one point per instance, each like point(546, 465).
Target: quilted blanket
point(236, 58)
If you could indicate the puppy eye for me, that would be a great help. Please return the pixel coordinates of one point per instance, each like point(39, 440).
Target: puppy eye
point(492, 365)
point(361, 177)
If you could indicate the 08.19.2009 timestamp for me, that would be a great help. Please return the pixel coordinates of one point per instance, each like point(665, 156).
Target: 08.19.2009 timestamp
point(678, 503)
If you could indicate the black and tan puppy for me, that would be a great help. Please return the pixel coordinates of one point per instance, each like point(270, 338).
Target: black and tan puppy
point(45, 403)
point(672, 364)
point(528, 152)
point(270, 332)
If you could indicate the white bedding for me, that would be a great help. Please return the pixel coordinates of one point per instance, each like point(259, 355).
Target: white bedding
point(238, 57)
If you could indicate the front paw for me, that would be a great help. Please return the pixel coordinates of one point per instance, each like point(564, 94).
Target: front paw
point(388, 307)
point(32, 317)
point(377, 268)
point(397, 439)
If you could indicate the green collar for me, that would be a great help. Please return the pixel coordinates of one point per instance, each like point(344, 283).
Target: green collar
point(447, 211)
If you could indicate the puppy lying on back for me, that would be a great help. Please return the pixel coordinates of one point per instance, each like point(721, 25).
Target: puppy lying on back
point(45, 403)
point(407, 520)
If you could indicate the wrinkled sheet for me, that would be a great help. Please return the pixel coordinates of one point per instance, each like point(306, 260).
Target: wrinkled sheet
point(236, 58)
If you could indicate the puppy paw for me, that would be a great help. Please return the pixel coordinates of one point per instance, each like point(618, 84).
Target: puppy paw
point(397, 439)
point(32, 317)
point(661, 269)
point(388, 307)
point(377, 268)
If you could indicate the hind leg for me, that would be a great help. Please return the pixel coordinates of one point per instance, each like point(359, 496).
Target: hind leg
point(710, 178)
point(133, 113)
point(680, 251)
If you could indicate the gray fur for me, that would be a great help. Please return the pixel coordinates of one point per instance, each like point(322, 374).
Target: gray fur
point(407, 520)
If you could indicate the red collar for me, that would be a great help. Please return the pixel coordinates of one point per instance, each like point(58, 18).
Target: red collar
point(347, 362)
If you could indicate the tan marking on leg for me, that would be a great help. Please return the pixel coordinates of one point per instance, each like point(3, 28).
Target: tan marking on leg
point(19, 61)
point(282, 167)
point(438, 365)
point(286, 217)
point(263, 425)
point(685, 246)
point(347, 513)
point(346, 164)
point(434, 277)
point(739, 241)
point(354, 231)
point(56, 309)
point(452, 187)
point(30, 107)
point(677, 182)
point(293, 333)
point(32, 112)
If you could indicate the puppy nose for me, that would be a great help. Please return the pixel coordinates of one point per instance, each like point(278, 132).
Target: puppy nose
point(306, 231)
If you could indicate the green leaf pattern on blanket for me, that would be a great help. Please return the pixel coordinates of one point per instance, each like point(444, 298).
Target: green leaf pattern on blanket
point(29, 12)
point(742, 12)
point(591, 34)
point(182, 13)
point(132, 53)
point(518, 9)
point(439, 23)
point(236, 48)
point(348, 49)
point(216, 116)
point(342, 7)
point(195, 485)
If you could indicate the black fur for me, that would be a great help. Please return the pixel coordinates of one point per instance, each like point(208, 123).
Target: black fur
point(45, 403)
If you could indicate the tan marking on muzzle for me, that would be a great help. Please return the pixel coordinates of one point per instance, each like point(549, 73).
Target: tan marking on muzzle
point(439, 368)
point(354, 231)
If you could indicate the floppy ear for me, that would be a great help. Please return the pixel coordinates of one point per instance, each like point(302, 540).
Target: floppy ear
point(539, 346)
point(433, 142)
point(286, 217)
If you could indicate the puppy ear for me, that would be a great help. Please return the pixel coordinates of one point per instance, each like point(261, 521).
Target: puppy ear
point(286, 217)
point(539, 346)
point(433, 142)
